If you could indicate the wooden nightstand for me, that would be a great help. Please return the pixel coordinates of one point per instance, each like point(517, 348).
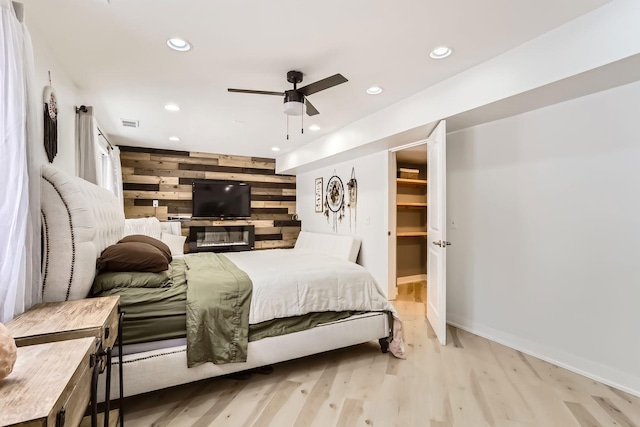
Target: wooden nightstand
point(58, 321)
point(67, 320)
point(50, 384)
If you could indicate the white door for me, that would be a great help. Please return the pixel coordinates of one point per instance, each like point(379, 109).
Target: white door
point(437, 231)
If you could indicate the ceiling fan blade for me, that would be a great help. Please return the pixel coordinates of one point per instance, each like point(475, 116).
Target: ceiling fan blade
point(323, 84)
point(311, 110)
point(256, 92)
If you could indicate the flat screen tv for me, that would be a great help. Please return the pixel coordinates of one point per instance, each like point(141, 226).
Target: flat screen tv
point(221, 199)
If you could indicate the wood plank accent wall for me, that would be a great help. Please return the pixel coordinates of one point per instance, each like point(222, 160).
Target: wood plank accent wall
point(167, 175)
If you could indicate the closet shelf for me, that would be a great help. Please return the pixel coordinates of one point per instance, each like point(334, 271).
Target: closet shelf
point(407, 181)
point(411, 205)
point(411, 234)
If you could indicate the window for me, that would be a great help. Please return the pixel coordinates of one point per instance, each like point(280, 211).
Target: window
point(108, 168)
point(105, 166)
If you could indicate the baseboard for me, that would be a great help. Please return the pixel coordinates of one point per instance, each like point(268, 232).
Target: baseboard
point(596, 371)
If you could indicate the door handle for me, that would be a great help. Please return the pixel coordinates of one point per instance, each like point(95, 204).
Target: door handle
point(441, 243)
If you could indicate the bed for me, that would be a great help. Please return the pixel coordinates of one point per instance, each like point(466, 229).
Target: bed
point(80, 220)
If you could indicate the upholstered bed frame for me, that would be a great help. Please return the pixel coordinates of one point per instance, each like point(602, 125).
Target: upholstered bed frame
point(81, 219)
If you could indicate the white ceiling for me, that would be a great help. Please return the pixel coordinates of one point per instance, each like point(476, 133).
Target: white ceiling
point(116, 54)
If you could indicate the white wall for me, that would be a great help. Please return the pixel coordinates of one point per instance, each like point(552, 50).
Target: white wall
point(371, 216)
point(546, 250)
point(68, 98)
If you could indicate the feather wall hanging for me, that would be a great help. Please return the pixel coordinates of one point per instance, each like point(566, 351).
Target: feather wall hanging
point(50, 121)
point(352, 186)
point(334, 201)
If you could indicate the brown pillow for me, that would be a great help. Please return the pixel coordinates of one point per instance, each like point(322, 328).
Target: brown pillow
point(132, 256)
point(141, 238)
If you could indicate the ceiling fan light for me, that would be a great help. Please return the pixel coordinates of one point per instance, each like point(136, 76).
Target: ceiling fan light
point(294, 108)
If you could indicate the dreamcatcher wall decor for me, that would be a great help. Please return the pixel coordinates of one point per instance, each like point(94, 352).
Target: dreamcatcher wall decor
point(50, 121)
point(334, 201)
point(352, 186)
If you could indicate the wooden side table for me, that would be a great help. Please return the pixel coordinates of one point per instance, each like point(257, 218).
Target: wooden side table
point(50, 384)
point(59, 321)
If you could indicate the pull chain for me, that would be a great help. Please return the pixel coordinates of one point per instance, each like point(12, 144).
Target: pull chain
point(302, 119)
point(287, 127)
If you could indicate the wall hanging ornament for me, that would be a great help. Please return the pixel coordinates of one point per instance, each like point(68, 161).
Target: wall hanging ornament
point(50, 121)
point(352, 186)
point(334, 201)
point(319, 190)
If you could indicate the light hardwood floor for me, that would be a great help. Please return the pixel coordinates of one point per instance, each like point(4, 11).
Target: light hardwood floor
point(416, 292)
point(470, 382)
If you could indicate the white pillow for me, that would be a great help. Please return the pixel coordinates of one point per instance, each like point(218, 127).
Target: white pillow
point(171, 227)
point(341, 246)
point(147, 226)
point(175, 243)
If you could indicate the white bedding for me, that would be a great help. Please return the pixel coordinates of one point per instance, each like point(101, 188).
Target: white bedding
point(294, 282)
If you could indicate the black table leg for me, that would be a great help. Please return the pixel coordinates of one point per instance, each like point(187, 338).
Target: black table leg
point(107, 401)
point(94, 388)
point(120, 369)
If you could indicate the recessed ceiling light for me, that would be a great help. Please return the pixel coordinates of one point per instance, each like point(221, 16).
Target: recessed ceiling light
point(174, 139)
point(374, 90)
point(179, 44)
point(441, 52)
point(172, 107)
point(275, 148)
point(314, 128)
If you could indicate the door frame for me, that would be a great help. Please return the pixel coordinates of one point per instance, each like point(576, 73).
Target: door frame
point(393, 214)
point(392, 242)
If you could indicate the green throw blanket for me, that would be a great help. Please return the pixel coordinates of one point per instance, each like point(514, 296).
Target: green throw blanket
point(218, 302)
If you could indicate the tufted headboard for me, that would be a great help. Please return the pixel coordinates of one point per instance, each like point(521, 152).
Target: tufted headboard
point(79, 220)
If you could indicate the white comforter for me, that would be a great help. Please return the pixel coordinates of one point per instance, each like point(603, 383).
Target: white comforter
point(293, 282)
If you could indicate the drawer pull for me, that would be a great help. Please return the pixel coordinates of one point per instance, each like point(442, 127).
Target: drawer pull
point(106, 332)
point(60, 417)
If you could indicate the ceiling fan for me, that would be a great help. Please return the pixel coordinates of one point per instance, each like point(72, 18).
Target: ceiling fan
point(295, 100)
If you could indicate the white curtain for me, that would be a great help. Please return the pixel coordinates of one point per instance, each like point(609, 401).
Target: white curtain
point(116, 164)
point(86, 156)
point(19, 196)
point(108, 166)
point(35, 137)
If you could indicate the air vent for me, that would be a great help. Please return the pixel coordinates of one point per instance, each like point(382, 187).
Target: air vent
point(130, 123)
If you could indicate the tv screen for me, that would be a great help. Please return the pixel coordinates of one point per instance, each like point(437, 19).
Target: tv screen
point(221, 199)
